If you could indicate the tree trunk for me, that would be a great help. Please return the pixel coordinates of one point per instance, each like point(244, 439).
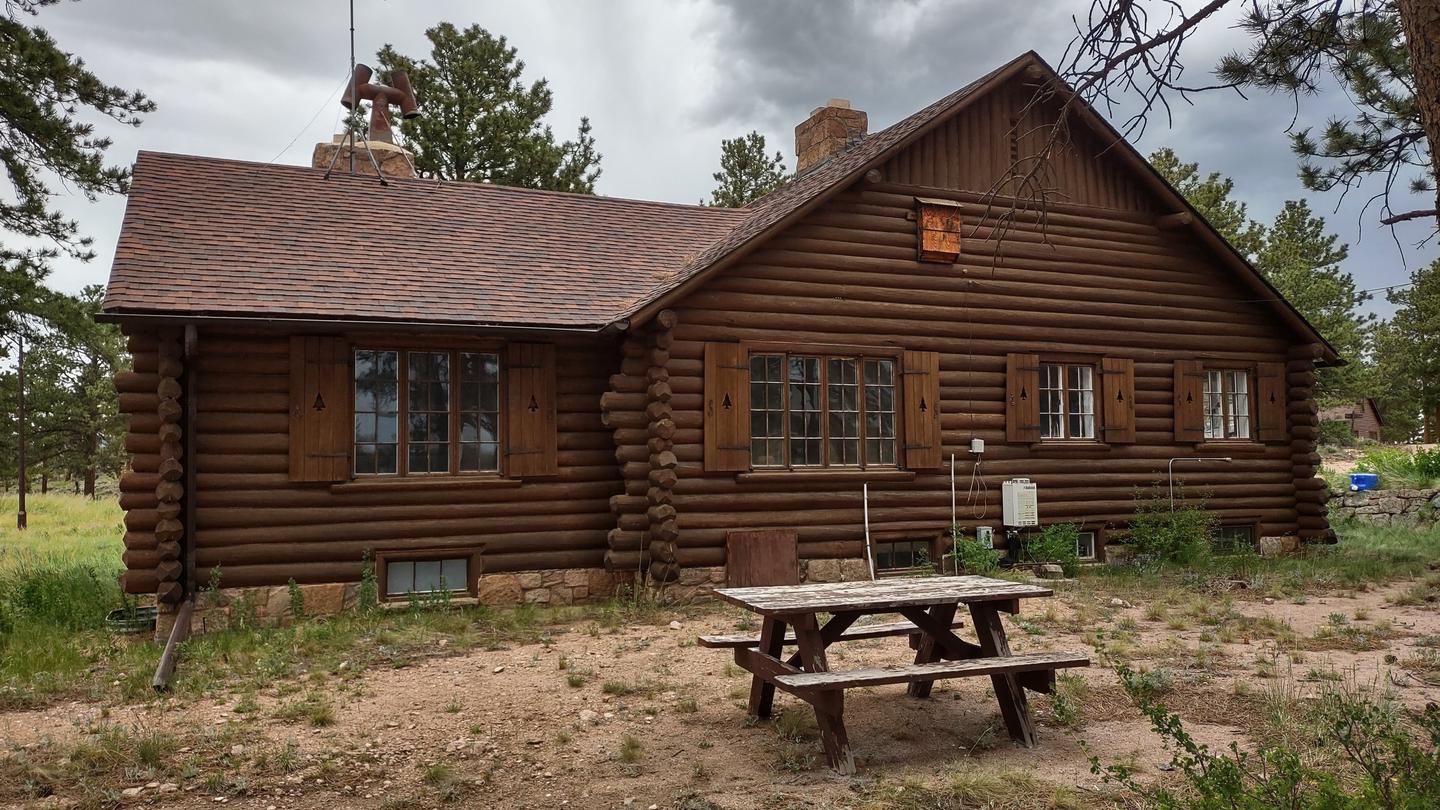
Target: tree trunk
point(92, 444)
point(44, 483)
point(1421, 20)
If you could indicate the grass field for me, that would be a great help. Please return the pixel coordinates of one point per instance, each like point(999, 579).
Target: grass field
point(63, 529)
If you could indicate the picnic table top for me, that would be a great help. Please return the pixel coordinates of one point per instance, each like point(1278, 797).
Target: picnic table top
point(876, 596)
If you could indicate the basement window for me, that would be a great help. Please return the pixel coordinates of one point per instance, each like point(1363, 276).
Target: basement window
point(1085, 545)
point(406, 577)
point(1234, 539)
point(901, 555)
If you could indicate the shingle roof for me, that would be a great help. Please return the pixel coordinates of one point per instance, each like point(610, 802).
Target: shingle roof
point(205, 236)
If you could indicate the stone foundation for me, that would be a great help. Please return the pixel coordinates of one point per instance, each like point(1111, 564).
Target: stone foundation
point(263, 606)
point(849, 570)
point(270, 606)
point(564, 586)
point(1388, 507)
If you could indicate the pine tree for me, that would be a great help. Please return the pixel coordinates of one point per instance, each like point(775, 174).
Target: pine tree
point(1408, 354)
point(1211, 197)
point(1385, 55)
point(747, 172)
point(43, 91)
point(481, 123)
point(1303, 261)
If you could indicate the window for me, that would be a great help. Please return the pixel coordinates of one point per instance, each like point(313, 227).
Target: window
point(1085, 545)
point(1227, 404)
point(1233, 539)
point(450, 412)
point(818, 411)
point(901, 554)
point(405, 577)
point(1067, 401)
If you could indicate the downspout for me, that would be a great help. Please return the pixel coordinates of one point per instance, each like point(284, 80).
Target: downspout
point(165, 671)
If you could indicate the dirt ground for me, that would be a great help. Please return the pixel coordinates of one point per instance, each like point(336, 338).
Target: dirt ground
point(642, 717)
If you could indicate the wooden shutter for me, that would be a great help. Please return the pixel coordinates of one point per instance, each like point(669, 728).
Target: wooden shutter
point(530, 434)
point(938, 224)
point(1117, 387)
point(921, 393)
point(762, 557)
point(320, 424)
point(1022, 397)
point(1270, 396)
point(1189, 401)
point(727, 408)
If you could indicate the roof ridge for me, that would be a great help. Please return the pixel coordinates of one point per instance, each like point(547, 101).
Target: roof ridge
point(487, 187)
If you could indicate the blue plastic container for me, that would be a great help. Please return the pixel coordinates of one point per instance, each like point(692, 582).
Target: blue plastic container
point(1360, 482)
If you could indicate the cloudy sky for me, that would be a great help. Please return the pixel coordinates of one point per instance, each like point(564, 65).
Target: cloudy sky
point(662, 82)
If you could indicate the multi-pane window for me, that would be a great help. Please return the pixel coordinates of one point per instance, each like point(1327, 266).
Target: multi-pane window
point(404, 577)
point(1233, 539)
point(377, 411)
point(1227, 404)
point(479, 412)
point(448, 419)
point(880, 411)
point(815, 411)
point(901, 554)
point(1067, 401)
point(429, 418)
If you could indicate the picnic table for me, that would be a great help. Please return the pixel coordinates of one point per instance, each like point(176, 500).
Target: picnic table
point(791, 616)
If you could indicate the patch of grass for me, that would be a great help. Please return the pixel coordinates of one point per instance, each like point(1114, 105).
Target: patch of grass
point(1365, 556)
point(631, 749)
point(1067, 704)
point(967, 786)
point(314, 709)
point(687, 705)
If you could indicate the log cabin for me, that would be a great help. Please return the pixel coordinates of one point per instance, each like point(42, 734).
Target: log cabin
point(514, 394)
point(1362, 416)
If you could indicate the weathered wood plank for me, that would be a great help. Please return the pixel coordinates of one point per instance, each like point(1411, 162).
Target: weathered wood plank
point(851, 634)
point(877, 597)
point(911, 673)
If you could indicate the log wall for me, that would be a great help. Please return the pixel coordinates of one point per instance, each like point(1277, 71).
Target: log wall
point(1101, 281)
point(262, 529)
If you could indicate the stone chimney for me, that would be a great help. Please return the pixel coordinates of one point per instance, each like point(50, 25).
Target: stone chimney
point(826, 133)
point(394, 161)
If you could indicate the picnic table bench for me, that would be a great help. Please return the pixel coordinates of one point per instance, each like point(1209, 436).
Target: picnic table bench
point(790, 615)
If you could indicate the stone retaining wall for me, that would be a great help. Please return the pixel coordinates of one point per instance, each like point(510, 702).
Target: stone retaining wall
point(1388, 507)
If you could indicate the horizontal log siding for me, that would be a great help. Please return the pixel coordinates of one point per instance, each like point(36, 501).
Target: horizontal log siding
point(261, 528)
point(1106, 283)
point(973, 150)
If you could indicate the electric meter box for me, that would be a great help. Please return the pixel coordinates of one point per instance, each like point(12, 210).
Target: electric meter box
point(1018, 502)
point(985, 536)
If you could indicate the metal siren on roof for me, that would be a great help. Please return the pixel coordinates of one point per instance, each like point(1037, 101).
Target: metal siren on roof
point(381, 96)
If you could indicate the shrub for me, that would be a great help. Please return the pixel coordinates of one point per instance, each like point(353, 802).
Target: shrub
point(1161, 534)
point(1378, 763)
point(1056, 543)
point(971, 557)
point(1337, 433)
point(1398, 468)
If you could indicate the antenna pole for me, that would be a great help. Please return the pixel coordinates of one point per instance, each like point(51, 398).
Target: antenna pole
point(350, 124)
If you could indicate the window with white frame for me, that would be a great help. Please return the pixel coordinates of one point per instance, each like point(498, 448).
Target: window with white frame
point(1067, 401)
point(1227, 404)
point(1085, 545)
